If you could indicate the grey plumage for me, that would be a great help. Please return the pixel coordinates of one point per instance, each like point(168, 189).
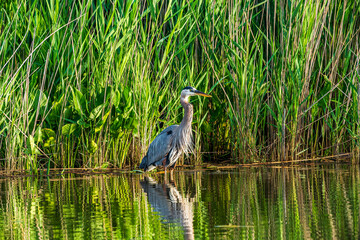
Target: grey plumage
point(168, 146)
point(158, 149)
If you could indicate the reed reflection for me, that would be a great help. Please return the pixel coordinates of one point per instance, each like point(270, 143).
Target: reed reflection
point(165, 199)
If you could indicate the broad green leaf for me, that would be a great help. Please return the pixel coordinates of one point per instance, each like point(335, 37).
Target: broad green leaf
point(49, 142)
point(38, 137)
point(79, 101)
point(48, 132)
point(100, 125)
point(92, 147)
point(115, 97)
point(68, 129)
point(95, 113)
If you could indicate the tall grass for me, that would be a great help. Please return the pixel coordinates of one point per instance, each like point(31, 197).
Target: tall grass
point(91, 83)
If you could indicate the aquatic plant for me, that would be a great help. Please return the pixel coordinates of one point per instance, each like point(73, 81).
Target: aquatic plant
point(91, 83)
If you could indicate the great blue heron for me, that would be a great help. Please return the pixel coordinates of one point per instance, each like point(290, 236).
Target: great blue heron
point(174, 140)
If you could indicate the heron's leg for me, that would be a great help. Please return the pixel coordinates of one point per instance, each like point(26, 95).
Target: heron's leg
point(171, 175)
point(171, 172)
point(165, 177)
point(164, 163)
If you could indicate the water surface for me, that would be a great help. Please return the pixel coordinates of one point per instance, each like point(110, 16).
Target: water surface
point(318, 202)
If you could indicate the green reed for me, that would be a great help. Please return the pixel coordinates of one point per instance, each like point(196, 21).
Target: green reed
point(91, 83)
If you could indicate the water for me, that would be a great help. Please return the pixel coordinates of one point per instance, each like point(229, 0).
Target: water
point(320, 202)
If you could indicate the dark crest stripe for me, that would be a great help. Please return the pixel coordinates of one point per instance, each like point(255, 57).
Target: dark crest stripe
point(188, 87)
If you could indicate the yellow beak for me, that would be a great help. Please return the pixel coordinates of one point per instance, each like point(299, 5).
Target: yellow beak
point(197, 92)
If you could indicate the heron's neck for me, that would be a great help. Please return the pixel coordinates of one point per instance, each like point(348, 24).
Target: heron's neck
point(188, 112)
point(183, 140)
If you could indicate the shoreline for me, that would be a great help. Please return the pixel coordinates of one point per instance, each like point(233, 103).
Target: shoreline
point(53, 172)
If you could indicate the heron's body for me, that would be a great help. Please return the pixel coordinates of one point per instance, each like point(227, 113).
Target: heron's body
point(168, 146)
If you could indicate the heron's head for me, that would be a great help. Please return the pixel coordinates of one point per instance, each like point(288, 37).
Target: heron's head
point(190, 91)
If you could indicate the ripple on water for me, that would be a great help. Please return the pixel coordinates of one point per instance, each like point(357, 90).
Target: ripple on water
point(294, 203)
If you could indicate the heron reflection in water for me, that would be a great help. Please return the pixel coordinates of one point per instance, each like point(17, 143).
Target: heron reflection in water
point(168, 202)
point(167, 147)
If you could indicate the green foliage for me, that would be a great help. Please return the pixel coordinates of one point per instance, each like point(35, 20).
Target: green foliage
point(94, 82)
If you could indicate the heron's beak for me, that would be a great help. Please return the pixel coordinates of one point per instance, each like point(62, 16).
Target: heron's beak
point(197, 92)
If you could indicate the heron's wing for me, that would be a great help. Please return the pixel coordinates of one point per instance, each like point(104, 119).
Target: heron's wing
point(158, 148)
